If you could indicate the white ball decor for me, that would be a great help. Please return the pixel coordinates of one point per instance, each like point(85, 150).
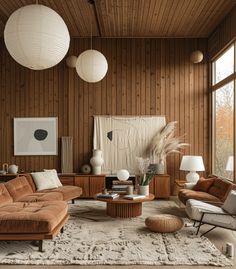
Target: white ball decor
point(91, 66)
point(196, 56)
point(123, 174)
point(71, 61)
point(36, 37)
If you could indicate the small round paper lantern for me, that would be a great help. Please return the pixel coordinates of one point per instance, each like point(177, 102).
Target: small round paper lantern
point(36, 37)
point(91, 66)
point(196, 56)
point(122, 174)
point(71, 61)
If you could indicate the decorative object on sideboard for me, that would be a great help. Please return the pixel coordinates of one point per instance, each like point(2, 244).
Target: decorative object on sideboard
point(163, 144)
point(97, 161)
point(66, 154)
point(13, 169)
point(86, 169)
point(71, 61)
point(38, 32)
point(192, 164)
point(145, 176)
point(123, 175)
point(35, 136)
point(5, 167)
point(196, 56)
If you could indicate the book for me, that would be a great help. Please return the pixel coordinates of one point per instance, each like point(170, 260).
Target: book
point(107, 195)
point(121, 187)
point(134, 197)
point(119, 182)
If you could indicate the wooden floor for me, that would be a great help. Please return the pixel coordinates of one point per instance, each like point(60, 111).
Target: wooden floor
point(219, 237)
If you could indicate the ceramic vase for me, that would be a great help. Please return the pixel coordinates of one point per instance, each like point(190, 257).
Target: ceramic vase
point(12, 169)
point(97, 161)
point(143, 190)
point(160, 169)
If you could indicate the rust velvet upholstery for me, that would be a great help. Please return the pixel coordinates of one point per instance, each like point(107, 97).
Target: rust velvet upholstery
point(41, 217)
point(217, 191)
point(204, 184)
point(5, 197)
point(37, 197)
point(18, 188)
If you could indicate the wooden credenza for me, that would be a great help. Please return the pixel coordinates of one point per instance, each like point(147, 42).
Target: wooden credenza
point(90, 184)
point(160, 186)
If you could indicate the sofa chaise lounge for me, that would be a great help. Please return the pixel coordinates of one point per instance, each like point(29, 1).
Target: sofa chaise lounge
point(27, 214)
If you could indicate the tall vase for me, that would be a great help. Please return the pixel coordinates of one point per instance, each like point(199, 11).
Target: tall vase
point(160, 168)
point(97, 161)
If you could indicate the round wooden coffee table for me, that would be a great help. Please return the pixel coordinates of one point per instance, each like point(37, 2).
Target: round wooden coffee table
point(124, 208)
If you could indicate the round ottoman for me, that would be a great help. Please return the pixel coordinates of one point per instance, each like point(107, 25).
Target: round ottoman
point(164, 223)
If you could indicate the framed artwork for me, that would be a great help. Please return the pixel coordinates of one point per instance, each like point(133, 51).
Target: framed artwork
point(35, 136)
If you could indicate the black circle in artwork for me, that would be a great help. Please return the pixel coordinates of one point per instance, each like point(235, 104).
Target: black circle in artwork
point(40, 134)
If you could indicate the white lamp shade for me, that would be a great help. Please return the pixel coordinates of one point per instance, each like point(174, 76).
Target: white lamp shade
point(122, 174)
point(192, 163)
point(196, 56)
point(230, 164)
point(91, 66)
point(36, 37)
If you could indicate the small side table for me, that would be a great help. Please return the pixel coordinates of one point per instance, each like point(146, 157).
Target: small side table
point(179, 184)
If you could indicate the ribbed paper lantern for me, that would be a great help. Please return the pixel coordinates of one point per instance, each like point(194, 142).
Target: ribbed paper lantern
point(196, 56)
point(91, 66)
point(123, 174)
point(36, 37)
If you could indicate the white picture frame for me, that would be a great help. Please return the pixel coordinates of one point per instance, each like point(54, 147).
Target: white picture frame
point(35, 136)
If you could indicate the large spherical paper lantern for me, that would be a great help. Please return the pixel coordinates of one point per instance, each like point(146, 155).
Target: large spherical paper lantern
point(123, 174)
point(91, 66)
point(36, 37)
point(196, 56)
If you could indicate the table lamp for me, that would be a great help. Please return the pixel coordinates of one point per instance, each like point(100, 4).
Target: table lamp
point(192, 164)
point(230, 164)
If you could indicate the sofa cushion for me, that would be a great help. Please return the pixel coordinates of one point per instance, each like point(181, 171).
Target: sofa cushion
point(53, 173)
point(18, 187)
point(68, 192)
point(31, 181)
point(220, 189)
point(37, 197)
point(44, 180)
point(230, 203)
point(41, 217)
point(5, 197)
point(203, 184)
point(185, 194)
point(195, 208)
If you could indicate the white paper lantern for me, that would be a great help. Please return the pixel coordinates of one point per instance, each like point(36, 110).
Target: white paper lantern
point(123, 174)
point(196, 56)
point(71, 61)
point(36, 37)
point(91, 66)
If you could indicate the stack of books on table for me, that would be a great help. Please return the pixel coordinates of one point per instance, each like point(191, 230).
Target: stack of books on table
point(121, 186)
point(134, 196)
point(107, 195)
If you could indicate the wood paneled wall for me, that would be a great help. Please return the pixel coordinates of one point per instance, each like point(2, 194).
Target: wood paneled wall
point(224, 33)
point(145, 77)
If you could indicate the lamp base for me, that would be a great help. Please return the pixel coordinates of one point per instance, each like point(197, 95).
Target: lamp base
point(192, 177)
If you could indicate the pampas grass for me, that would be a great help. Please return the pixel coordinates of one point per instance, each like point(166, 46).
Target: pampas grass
point(164, 143)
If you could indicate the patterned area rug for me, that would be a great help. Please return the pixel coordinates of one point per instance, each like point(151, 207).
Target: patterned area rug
point(91, 237)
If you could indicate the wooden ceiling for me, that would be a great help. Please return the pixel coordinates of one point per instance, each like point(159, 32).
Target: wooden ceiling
point(133, 18)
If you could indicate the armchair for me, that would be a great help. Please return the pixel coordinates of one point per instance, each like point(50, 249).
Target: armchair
point(205, 213)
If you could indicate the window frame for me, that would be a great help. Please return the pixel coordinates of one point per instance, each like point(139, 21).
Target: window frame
point(214, 88)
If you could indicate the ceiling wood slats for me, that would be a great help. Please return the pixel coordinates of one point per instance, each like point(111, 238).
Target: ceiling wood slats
point(133, 18)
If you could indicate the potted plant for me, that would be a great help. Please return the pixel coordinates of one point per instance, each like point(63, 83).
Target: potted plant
point(145, 175)
point(163, 144)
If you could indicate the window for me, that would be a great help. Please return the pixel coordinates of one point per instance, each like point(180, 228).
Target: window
point(223, 114)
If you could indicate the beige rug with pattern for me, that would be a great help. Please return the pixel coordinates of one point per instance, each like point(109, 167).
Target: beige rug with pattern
point(91, 237)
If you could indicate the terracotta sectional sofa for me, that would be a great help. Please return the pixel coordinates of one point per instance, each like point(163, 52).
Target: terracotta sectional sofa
point(27, 214)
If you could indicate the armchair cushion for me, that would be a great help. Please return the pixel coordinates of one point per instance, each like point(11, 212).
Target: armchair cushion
point(203, 184)
point(5, 197)
point(189, 185)
point(194, 210)
point(220, 189)
point(230, 203)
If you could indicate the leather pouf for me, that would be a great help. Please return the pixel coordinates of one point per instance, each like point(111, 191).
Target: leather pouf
point(164, 223)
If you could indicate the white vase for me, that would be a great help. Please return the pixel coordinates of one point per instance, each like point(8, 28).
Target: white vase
point(97, 161)
point(12, 169)
point(143, 190)
point(160, 168)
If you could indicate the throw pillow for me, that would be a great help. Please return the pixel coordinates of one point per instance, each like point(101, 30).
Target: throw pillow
point(230, 203)
point(44, 181)
point(54, 174)
point(203, 184)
